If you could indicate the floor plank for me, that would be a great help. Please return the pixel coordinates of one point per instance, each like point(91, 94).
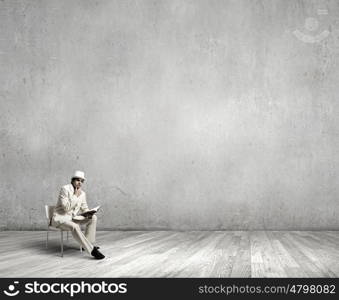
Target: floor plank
point(174, 254)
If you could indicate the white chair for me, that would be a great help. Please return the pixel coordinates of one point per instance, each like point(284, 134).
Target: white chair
point(49, 209)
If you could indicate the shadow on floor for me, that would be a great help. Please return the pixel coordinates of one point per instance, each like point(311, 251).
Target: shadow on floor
point(54, 246)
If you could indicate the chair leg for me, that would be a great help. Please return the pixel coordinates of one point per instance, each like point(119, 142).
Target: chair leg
point(67, 236)
point(47, 237)
point(62, 243)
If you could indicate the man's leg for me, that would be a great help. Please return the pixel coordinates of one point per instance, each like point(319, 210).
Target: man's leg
point(91, 228)
point(78, 235)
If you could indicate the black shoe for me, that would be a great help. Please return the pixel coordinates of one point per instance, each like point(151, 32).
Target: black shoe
point(97, 254)
point(83, 249)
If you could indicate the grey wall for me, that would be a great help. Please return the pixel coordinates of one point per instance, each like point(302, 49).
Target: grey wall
point(183, 114)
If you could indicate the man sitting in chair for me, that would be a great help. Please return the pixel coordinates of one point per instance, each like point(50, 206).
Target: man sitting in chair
point(71, 202)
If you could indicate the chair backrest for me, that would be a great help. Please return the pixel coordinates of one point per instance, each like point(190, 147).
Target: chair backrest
point(49, 209)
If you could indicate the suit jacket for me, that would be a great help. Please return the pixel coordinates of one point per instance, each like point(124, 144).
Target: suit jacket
point(68, 205)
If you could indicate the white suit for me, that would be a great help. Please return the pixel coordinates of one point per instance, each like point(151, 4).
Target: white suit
point(68, 206)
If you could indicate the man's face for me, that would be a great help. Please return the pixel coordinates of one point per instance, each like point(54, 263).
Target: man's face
point(77, 183)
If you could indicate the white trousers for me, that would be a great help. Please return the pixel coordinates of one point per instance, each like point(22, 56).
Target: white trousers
point(85, 240)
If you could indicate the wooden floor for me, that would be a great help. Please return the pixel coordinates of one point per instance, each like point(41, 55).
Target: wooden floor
point(175, 254)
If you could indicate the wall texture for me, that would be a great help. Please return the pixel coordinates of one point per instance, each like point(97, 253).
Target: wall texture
point(184, 115)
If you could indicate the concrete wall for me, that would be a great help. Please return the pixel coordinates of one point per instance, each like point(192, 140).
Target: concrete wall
point(183, 114)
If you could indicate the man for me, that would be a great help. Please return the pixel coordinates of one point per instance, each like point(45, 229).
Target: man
point(71, 203)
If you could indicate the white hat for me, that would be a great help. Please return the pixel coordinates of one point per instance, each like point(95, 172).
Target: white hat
point(79, 174)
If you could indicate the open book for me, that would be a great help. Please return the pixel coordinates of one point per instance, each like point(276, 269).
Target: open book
point(90, 212)
point(86, 214)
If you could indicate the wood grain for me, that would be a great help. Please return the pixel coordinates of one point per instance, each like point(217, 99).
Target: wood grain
point(175, 254)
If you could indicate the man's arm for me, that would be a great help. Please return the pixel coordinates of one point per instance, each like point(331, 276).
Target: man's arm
point(64, 200)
